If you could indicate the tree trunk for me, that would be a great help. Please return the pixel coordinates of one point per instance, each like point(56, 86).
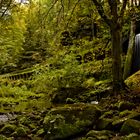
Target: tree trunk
point(116, 58)
point(128, 61)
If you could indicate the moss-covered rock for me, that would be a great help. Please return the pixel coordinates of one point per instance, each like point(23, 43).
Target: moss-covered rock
point(24, 120)
point(132, 136)
point(40, 132)
point(109, 114)
point(67, 121)
point(125, 105)
point(104, 124)
point(7, 129)
point(125, 113)
point(21, 132)
point(133, 82)
point(124, 116)
point(130, 126)
point(100, 135)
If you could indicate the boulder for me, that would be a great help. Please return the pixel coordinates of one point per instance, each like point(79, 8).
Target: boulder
point(130, 126)
point(104, 124)
point(124, 116)
point(125, 105)
point(108, 121)
point(67, 121)
point(133, 82)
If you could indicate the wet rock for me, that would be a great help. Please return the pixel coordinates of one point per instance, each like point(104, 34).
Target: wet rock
point(130, 126)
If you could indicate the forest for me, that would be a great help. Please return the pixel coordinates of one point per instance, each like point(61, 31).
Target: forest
point(69, 70)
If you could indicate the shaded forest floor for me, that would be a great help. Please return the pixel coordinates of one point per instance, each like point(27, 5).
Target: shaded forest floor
point(117, 118)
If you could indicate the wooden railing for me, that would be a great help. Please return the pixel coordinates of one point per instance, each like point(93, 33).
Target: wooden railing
point(23, 75)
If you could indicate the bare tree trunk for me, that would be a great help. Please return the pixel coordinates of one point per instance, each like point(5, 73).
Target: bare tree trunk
point(128, 61)
point(116, 58)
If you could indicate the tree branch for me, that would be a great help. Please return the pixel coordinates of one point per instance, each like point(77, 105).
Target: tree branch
point(51, 8)
point(72, 12)
point(101, 12)
point(7, 7)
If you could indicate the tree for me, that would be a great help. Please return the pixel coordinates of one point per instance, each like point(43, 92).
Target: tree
point(12, 28)
point(36, 42)
point(115, 22)
point(114, 19)
point(129, 57)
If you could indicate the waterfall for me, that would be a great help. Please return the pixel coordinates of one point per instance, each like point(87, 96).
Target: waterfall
point(136, 55)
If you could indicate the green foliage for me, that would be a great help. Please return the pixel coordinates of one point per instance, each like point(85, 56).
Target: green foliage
point(56, 127)
point(11, 37)
point(70, 76)
point(16, 92)
point(18, 99)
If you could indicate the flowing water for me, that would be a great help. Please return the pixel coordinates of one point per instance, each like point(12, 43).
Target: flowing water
point(136, 55)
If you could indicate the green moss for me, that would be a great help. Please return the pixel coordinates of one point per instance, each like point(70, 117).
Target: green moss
point(132, 136)
point(64, 130)
point(21, 132)
point(63, 122)
point(104, 123)
point(8, 129)
point(70, 101)
point(125, 105)
point(133, 82)
point(130, 126)
point(125, 113)
point(40, 132)
point(100, 135)
point(2, 137)
point(108, 114)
